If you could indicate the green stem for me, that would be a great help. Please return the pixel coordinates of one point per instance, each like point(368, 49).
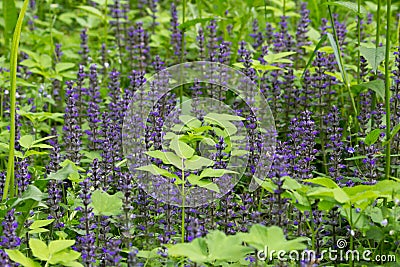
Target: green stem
point(9, 185)
point(183, 205)
point(387, 90)
point(182, 51)
point(359, 40)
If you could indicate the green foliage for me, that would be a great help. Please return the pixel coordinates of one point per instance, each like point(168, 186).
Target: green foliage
point(105, 204)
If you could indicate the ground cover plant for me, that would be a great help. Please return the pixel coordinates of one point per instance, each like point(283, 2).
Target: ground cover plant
point(103, 164)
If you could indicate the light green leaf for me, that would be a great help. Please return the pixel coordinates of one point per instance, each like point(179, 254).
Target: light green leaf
point(59, 245)
point(197, 162)
point(196, 251)
point(26, 141)
point(193, 22)
point(45, 61)
point(60, 67)
point(64, 173)
point(105, 204)
point(182, 149)
point(39, 249)
point(17, 256)
point(38, 230)
point(40, 223)
point(190, 121)
point(215, 172)
point(322, 181)
point(195, 180)
point(92, 10)
point(155, 170)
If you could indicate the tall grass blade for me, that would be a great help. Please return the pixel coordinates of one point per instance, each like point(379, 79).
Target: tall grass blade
point(9, 184)
point(387, 90)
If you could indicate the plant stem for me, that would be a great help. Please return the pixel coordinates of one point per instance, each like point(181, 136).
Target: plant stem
point(183, 204)
point(9, 184)
point(387, 91)
point(182, 51)
point(359, 40)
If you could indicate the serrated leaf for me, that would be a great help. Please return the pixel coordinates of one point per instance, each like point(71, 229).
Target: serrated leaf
point(105, 204)
point(39, 249)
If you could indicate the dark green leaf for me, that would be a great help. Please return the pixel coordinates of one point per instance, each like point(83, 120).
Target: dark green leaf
point(377, 86)
point(310, 60)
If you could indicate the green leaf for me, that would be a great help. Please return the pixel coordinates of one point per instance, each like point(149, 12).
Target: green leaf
point(166, 157)
point(372, 137)
point(310, 60)
point(190, 121)
point(197, 162)
point(17, 256)
point(45, 61)
point(336, 51)
point(38, 230)
point(60, 67)
point(377, 86)
point(10, 17)
point(193, 22)
point(105, 204)
point(279, 57)
point(327, 182)
point(225, 248)
point(196, 251)
point(195, 180)
point(26, 141)
point(40, 223)
point(351, 6)
point(290, 183)
point(155, 170)
point(44, 146)
point(273, 237)
point(214, 172)
point(39, 249)
point(182, 149)
point(32, 192)
point(64, 173)
point(373, 55)
point(65, 257)
point(224, 117)
point(92, 10)
point(59, 245)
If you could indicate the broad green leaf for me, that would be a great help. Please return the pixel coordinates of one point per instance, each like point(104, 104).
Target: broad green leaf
point(40, 223)
point(59, 245)
point(182, 149)
point(377, 86)
point(32, 192)
point(290, 183)
point(215, 172)
point(224, 117)
point(105, 204)
point(38, 230)
point(372, 137)
point(17, 256)
point(166, 157)
point(373, 56)
point(26, 141)
point(351, 6)
point(39, 249)
point(65, 257)
point(277, 58)
point(225, 248)
point(196, 251)
point(327, 182)
point(340, 195)
point(92, 10)
point(155, 170)
point(45, 61)
point(197, 162)
point(190, 121)
point(64, 173)
point(196, 180)
point(273, 237)
point(60, 67)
